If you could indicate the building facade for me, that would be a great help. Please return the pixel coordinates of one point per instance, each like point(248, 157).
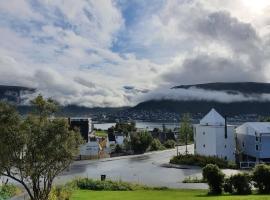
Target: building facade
point(213, 137)
point(253, 141)
point(84, 125)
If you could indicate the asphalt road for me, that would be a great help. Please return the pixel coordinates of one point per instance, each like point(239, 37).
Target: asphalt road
point(143, 169)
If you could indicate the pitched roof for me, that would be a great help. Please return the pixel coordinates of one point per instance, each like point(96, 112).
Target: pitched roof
point(213, 118)
point(259, 127)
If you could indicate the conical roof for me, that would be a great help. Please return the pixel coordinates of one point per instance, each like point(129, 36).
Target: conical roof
point(213, 118)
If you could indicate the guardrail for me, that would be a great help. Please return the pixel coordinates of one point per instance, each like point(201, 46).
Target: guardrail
point(251, 164)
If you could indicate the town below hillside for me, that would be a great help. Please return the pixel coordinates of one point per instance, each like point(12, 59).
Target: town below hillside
point(164, 110)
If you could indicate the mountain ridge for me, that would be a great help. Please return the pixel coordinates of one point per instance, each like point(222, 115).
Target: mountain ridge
point(203, 106)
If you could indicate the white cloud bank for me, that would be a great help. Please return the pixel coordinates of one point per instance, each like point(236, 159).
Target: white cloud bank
point(194, 93)
point(86, 52)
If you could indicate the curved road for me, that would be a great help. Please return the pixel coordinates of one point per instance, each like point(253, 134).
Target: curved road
point(144, 169)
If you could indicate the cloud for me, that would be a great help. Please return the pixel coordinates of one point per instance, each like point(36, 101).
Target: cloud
point(87, 52)
point(211, 68)
point(198, 94)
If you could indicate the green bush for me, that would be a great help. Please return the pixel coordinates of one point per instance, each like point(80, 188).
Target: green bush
point(7, 191)
point(238, 184)
point(140, 141)
point(261, 178)
point(118, 149)
point(169, 144)
point(190, 179)
point(202, 161)
point(214, 177)
point(62, 192)
point(156, 145)
point(90, 184)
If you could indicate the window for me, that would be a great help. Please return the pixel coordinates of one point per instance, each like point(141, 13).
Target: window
point(243, 144)
point(257, 147)
point(204, 146)
point(203, 133)
point(225, 158)
point(225, 146)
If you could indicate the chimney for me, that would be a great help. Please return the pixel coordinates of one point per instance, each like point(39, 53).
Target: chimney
point(225, 128)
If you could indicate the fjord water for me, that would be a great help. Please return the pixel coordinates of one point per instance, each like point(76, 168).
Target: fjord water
point(142, 125)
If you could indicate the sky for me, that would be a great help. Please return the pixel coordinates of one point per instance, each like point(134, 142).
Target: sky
point(121, 52)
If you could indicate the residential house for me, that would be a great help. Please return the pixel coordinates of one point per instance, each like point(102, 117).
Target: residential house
point(91, 148)
point(116, 138)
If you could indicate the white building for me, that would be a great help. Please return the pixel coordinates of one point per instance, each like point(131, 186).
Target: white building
point(91, 148)
point(213, 137)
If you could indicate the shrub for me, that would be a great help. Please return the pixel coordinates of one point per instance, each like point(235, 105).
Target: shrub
point(156, 145)
point(90, 184)
point(169, 144)
point(190, 179)
point(214, 177)
point(62, 192)
point(261, 178)
point(118, 149)
point(7, 191)
point(238, 184)
point(202, 161)
point(140, 141)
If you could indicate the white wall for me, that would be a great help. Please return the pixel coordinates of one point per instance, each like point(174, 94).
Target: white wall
point(90, 149)
point(119, 140)
point(226, 147)
point(214, 141)
point(205, 135)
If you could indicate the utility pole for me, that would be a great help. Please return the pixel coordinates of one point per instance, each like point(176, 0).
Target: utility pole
point(186, 142)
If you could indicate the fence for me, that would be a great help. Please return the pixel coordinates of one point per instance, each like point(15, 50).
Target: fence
point(251, 164)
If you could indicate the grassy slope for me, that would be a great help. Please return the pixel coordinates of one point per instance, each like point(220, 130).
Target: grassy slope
point(101, 133)
point(158, 195)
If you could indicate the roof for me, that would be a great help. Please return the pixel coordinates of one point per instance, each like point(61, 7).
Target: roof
point(213, 118)
point(259, 127)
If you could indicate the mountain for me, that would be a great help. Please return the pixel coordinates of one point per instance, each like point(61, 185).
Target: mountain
point(14, 94)
point(247, 89)
point(232, 87)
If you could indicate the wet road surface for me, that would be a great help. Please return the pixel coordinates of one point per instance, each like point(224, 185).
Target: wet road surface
point(143, 169)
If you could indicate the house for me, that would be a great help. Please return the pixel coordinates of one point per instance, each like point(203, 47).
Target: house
point(163, 136)
point(253, 141)
point(213, 137)
point(116, 137)
point(83, 124)
point(95, 148)
point(119, 138)
point(91, 148)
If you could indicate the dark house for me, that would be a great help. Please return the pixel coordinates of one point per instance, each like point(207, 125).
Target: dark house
point(83, 124)
point(163, 136)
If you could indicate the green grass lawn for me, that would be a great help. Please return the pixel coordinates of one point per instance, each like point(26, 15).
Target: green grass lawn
point(157, 195)
point(101, 133)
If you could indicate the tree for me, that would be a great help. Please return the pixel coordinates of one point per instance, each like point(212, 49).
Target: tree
point(238, 184)
point(214, 177)
point(261, 178)
point(169, 144)
point(33, 151)
point(140, 141)
point(186, 131)
point(156, 145)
